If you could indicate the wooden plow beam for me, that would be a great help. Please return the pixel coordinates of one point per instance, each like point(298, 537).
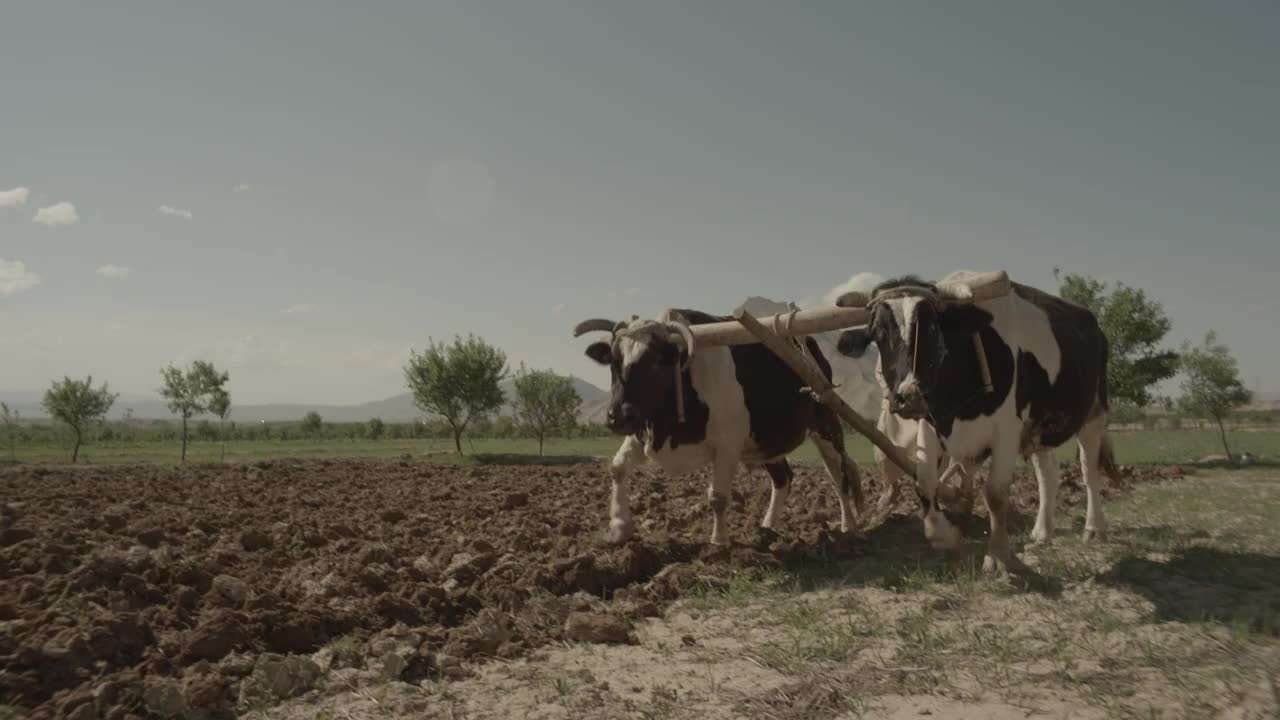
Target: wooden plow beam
point(822, 388)
point(776, 331)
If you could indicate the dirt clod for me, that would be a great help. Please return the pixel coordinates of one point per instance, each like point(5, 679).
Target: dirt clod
point(593, 628)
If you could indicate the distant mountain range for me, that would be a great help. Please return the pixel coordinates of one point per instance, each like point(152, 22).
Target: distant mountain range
point(399, 408)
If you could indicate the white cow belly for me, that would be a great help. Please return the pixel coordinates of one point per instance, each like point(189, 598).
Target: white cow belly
point(682, 460)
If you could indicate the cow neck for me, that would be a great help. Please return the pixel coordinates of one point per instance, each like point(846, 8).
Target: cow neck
point(959, 390)
point(669, 427)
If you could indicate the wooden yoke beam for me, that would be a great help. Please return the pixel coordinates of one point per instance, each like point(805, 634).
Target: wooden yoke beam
point(823, 390)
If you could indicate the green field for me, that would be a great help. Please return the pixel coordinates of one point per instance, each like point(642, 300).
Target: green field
point(1132, 447)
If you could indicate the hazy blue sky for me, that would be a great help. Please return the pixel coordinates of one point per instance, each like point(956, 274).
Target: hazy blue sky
point(303, 191)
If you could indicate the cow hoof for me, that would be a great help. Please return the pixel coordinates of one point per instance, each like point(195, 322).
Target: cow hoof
point(941, 534)
point(1095, 535)
point(620, 532)
point(766, 537)
point(991, 565)
point(1040, 536)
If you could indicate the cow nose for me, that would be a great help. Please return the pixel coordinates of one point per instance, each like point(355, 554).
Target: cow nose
point(908, 403)
point(623, 413)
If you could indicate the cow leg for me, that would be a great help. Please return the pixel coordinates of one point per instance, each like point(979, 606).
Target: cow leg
point(996, 491)
point(1090, 440)
point(781, 474)
point(1047, 475)
point(841, 469)
point(628, 457)
point(938, 530)
point(966, 487)
point(722, 473)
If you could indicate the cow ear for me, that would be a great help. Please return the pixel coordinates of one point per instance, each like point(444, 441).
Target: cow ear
point(601, 352)
point(964, 319)
point(853, 343)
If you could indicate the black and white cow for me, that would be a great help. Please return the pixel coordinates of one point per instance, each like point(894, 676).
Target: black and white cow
point(741, 405)
point(1048, 361)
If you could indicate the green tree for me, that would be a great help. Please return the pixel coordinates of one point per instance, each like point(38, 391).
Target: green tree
point(458, 382)
point(312, 424)
point(220, 405)
point(1211, 384)
point(376, 428)
point(77, 404)
point(11, 419)
point(1135, 326)
point(191, 392)
point(545, 402)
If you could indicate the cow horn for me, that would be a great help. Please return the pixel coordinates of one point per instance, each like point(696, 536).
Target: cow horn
point(601, 324)
point(686, 335)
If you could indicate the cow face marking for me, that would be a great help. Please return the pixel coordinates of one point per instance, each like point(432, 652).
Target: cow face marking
point(642, 369)
point(907, 334)
point(910, 327)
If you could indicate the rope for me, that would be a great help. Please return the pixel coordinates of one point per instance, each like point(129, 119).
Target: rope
point(679, 393)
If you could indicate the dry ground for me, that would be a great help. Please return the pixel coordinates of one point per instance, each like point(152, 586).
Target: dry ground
point(349, 589)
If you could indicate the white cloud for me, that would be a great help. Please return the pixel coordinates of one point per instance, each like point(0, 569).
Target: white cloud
point(176, 212)
point(299, 309)
point(14, 198)
point(15, 277)
point(113, 271)
point(63, 213)
point(242, 187)
point(862, 282)
point(557, 309)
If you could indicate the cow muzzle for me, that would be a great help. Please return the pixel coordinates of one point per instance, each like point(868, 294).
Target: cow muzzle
point(623, 420)
point(908, 402)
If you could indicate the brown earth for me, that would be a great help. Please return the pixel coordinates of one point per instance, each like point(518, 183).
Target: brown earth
point(137, 591)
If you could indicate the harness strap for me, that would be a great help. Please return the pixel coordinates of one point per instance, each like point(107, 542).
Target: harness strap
point(679, 392)
point(983, 369)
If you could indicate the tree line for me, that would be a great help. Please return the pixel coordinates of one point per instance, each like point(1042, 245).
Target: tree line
point(458, 385)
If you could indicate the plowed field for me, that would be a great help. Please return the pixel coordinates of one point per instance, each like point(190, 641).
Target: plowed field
point(133, 590)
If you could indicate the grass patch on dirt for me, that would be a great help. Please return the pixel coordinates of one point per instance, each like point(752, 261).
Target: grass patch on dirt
point(1177, 615)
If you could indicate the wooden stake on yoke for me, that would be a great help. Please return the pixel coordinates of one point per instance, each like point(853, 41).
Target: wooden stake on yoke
point(822, 389)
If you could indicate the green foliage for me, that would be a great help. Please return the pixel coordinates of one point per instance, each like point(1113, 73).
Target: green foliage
point(76, 404)
point(376, 428)
point(194, 392)
point(1211, 386)
point(312, 424)
point(545, 403)
point(1134, 326)
point(457, 382)
point(1123, 413)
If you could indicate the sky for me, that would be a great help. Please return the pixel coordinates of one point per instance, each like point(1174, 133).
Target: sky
point(304, 192)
